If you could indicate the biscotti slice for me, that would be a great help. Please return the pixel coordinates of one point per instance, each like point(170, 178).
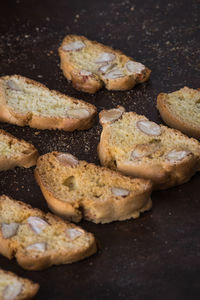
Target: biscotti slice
point(181, 110)
point(39, 240)
point(15, 152)
point(138, 147)
point(13, 287)
point(27, 102)
point(91, 65)
point(76, 189)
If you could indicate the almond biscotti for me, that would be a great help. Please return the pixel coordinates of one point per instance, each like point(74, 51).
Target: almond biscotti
point(138, 147)
point(76, 189)
point(13, 287)
point(15, 152)
point(39, 240)
point(181, 110)
point(26, 102)
point(91, 65)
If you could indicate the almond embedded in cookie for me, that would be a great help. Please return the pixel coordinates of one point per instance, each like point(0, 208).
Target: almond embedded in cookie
point(37, 224)
point(142, 150)
point(13, 85)
point(111, 115)
point(9, 230)
point(79, 113)
point(13, 287)
point(105, 57)
point(67, 159)
point(12, 290)
point(73, 233)
point(114, 74)
point(177, 155)
point(120, 192)
point(148, 127)
point(105, 68)
point(134, 67)
point(38, 247)
point(77, 45)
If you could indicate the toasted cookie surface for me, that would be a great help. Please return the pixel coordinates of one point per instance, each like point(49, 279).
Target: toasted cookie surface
point(76, 189)
point(39, 240)
point(136, 146)
point(15, 152)
point(13, 287)
point(181, 110)
point(91, 65)
point(26, 102)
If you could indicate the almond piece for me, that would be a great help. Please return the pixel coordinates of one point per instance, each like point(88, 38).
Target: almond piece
point(134, 67)
point(120, 192)
point(37, 224)
point(77, 45)
point(148, 127)
point(67, 159)
point(105, 57)
point(41, 247)
point(13, 85)
point(105, 67)
point(114, 74)
point(12, 290)
point(9, 230)
point(177, 155)
point(80, 113)
point(111, 115)
point(73, 233)
point(143, 150)
point(85, 73)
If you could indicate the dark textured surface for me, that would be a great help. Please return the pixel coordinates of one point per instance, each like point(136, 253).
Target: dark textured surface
point(158, 255)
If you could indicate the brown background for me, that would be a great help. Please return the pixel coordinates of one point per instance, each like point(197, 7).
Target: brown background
point(158, 255)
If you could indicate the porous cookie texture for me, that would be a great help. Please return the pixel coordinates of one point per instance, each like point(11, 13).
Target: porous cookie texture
point(27, 102)
point(76, 189)
point(138, 147)
point(91, 65)
point(15, 152)
point(39, 240)
point(13, 287)
point(181, 110)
